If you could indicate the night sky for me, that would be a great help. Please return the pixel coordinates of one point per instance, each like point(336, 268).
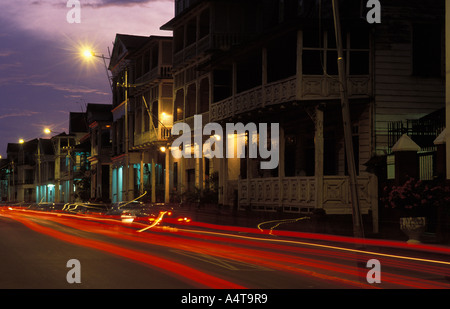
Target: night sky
point(42, 74)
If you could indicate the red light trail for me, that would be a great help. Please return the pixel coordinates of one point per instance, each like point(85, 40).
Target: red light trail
point(303, 254)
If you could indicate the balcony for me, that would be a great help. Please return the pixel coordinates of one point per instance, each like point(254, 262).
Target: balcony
point(158, 72)
point(222, 41)
point(320, 87)
point(312, 88)
point(145, 139)
point(273, 93)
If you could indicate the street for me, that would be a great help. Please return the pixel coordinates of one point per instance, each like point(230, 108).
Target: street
point(112, 254)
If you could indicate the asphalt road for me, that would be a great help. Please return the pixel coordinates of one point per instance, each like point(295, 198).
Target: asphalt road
point(36, 247)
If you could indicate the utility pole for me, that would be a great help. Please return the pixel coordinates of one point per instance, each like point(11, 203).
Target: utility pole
point(358, 230)
point(127, 159)
point(447, 87)
point(39, 172)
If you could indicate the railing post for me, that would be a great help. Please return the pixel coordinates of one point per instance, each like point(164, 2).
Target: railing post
point(406, 160)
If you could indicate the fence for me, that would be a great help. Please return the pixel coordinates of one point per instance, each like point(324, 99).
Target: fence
point(427, 164)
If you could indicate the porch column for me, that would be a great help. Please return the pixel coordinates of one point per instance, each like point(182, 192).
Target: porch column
point(299, 73)
point(130, 182)
point(153, 178)
point(199, 173)
point(264, 74)
point(167, 177)
point(125, 182)
point(57, 172)
point(281, 171)
point(141, 174)
point(223, 177)
point(182, 176)
point(318, 156)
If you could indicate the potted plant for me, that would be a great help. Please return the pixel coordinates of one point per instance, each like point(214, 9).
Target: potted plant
point(412, 199)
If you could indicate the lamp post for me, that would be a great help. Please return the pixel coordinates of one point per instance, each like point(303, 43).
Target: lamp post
point(88, 54)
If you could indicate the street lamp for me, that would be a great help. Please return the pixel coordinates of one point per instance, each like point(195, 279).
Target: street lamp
point(88, 55)
point(48, 131)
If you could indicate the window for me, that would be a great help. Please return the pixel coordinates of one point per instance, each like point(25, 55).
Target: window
point(178, 36)
point(154, 113)
point(155, 57)
point(320, 53)
point(191, 98)
point(355, 141)
point(222, 84)
point(146, 113)
point(191, 32)
point(204, 24)
point(249, 72)
point(204, 96)
point(175, 176)
point(138, 119)
point(282, 57)
point(178, 105)
point(427, 50)
point(146, 61)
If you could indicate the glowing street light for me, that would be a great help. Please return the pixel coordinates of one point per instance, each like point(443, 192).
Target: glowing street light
point(21, 141)
point(88, 55)
point(48, 131)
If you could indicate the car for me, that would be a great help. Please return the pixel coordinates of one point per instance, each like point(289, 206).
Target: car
point(135, 208)
point(42, 206)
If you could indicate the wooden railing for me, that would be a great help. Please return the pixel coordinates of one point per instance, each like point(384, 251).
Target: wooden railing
point(221, 41)
point(298, 194)
point(258, 97)
point(285, 90)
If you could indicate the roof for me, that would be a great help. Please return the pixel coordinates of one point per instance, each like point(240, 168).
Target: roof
point(77, 122)
point(149, 42)
point(441, 139)
point(98, 112)
point(12, 148)
point(123, 45)
point(405, 143)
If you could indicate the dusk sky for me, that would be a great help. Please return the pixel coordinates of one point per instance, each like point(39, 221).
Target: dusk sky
point(42, 75)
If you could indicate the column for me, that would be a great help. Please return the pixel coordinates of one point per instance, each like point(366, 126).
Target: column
point(299, 74)
point(281, 171)
point(318, 156)
point(153, 178)
point(167, 176)
point(141, 174)
point(264, 75)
